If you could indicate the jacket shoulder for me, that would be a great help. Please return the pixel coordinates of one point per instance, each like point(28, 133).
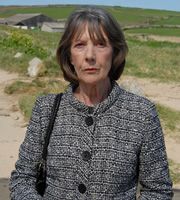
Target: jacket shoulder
point(45, 100)
point(43, 104)
point(135, 97)
point(135, 102)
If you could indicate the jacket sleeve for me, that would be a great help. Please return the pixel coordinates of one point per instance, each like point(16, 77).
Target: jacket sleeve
point(154, 175)
point(23, 178)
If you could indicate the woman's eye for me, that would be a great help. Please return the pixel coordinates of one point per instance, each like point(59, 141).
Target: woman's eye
point(79, 45)
point(101, 45)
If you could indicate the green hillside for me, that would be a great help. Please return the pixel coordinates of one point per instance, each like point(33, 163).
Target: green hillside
point(125, 16)
point(56, 12)
point(147, 58)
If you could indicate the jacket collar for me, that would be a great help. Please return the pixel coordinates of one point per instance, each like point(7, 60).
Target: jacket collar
point(97, 109)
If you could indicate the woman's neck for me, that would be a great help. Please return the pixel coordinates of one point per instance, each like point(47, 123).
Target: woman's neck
point(90, 94)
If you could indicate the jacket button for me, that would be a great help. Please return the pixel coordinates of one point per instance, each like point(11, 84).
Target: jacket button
point(89, 121)
point(86, 155)
point(82, 188)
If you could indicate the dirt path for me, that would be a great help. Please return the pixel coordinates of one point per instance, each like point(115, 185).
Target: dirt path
point(159, 38)
point(165, 38)
point(11, 121)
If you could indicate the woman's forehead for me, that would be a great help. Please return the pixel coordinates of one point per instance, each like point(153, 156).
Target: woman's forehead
point(95, 32)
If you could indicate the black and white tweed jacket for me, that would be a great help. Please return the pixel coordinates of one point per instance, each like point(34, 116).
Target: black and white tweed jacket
point(95, 153)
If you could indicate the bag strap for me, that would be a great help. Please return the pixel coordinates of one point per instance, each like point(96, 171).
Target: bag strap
point(51, 124)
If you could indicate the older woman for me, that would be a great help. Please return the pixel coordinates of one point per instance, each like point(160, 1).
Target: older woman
point(104, 138)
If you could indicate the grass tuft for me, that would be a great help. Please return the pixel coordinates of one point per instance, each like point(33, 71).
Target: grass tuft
point(26, 103)
point(174, 171)
point(170, 117)
point(30, 90)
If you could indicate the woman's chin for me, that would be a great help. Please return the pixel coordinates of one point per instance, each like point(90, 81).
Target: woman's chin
point(92, 81)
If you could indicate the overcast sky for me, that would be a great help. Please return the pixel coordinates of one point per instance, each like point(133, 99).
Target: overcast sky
point(154, 4)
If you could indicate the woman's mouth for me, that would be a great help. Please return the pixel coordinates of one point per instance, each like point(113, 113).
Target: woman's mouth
point(91, 69)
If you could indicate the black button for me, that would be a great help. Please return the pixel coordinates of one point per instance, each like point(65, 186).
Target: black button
point(82, 188)
point(89, 121)
point(86, 155)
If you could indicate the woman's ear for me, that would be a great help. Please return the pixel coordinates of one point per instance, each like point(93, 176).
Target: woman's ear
point(71, 61)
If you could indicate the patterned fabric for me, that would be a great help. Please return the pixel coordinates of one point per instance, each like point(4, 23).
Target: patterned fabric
point(95, 153)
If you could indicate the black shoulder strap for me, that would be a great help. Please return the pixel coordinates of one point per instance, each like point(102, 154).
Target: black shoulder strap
point(51, 124)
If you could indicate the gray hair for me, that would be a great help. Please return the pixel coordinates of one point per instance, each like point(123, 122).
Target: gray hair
point(98, 21)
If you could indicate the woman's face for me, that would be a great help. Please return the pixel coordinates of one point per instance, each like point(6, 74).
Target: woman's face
point(91, 60)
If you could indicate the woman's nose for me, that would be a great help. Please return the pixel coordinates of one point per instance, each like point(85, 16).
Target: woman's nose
point(90, 53)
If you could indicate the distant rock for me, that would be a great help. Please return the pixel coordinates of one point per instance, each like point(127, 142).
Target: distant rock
point(132, 86)
point(36, 67)
point(18, 55)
